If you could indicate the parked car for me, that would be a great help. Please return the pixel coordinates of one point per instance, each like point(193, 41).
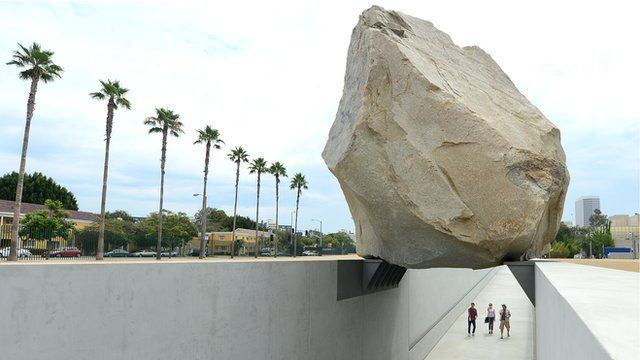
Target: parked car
point(267, 252)
point(22, 253)
point(196, 252)
point(63, 252)
point(117, 253)
point(309, 253)
point(144, 253)
point(166, 253)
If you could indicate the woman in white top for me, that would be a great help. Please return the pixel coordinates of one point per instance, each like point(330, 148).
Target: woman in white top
point(491, 316)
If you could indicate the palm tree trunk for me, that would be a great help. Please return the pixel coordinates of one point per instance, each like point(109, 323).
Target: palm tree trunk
point(203, 215)
point(257, 215)
point(235, 208)
point(295, 231)
point(163, 158)
point(103, 204)
point(31, 103)
point(275, 238)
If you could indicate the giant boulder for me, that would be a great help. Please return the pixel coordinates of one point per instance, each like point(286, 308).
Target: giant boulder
point(443, 162)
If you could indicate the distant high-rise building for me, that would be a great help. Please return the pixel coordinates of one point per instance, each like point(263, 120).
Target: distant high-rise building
point(585, 206)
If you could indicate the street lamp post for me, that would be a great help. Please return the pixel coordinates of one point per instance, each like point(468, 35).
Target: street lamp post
point(203, 224)
point(321, 235)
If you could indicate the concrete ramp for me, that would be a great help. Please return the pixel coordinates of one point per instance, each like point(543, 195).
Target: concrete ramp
point(501, 289)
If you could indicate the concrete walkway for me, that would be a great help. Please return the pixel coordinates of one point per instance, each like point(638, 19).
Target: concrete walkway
point(502, 289)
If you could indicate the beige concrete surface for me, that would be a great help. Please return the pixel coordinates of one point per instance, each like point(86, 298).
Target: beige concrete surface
point(615, 264)
point(502, 289)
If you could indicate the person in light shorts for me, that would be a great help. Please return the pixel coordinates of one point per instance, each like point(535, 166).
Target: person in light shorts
point(505, 316)
point(491, 317)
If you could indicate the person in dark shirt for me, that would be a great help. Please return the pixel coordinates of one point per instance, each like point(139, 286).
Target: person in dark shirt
point(471, 319)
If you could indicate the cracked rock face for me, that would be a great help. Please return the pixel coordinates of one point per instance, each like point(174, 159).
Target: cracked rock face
point(443, 162)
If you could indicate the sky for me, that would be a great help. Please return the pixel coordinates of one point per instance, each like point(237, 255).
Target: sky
point(269, 76)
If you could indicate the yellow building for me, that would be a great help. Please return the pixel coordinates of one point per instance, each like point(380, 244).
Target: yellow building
point(625, 230)
point(219, 242)
point(80, 219)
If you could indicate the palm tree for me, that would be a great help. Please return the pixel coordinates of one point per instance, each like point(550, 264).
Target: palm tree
point(258, 166)
point(35, 64)
point(114, 93)
point(277, 170)
point(297, 182)
point(210, 137)
point(167, 123)
point(237, 155)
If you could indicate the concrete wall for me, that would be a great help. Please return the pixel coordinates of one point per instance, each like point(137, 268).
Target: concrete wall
point(222, 310)
point(586, 312)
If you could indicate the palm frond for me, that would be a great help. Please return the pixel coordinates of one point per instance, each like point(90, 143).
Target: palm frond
point(151, 121)
point(258, 165)
point(298, 181)
point(38, 63)
point(238, 155)
point(278, 170)
point(124, 103)
point(26, 74)
point(98, 95)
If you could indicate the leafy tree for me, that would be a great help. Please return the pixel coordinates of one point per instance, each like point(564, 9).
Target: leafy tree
point(282, 238)
point(258, 166)
point(114, 94)
point(599, 236)
point(177, 229)
point(238, 156)
point(120, 231)
point(242, 222)
point(340, 241)
point(569, 241)
point(298, 182)
point(49, 223)
point(167, 123)
point(119, 214)
point(210, 137)
point(596, 241)
point(277, 170)
point(217, 220)
point(563, 232)
point(597, 219)
point(35, 64)
point(36, 189)
point(560, 249)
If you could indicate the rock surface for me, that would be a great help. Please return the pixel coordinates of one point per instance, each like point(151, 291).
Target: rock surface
point(443, 162)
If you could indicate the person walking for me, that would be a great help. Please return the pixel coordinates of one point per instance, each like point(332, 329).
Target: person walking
point(491, 316)
point(471, 319)
point(505, 316)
